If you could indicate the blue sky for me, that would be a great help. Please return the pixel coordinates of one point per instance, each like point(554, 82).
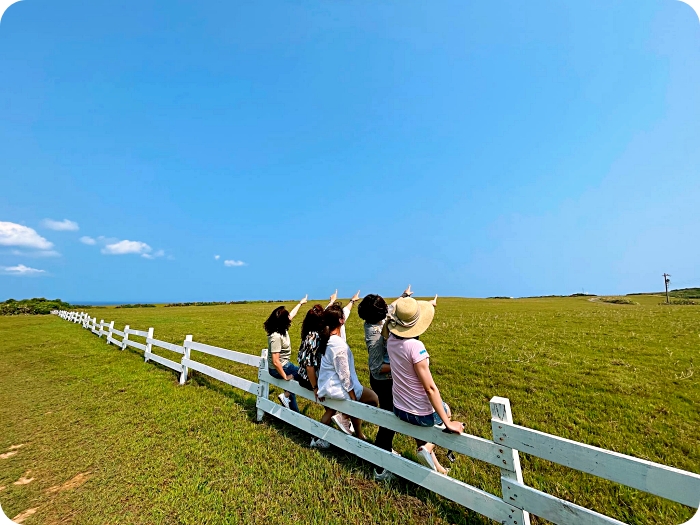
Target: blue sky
point(467, 148)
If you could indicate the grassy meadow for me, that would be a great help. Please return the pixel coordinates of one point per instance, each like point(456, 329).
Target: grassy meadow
point(107, 439)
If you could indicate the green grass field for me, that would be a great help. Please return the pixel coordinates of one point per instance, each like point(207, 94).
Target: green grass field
point(617, 376)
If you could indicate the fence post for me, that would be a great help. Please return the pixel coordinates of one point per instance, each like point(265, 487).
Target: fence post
point(126, 336)
point(109, 334)
point(102, 322)
point(185, 355)
point(148, 345)
point(264, 388)
point(500, 411)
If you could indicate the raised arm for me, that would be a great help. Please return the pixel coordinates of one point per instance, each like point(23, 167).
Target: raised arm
point(295, 310)
point(348, 307)
point(422, 369)
point(406, 293)
point(334, 296)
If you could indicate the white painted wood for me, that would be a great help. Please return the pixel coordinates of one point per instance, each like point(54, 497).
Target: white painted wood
point(501, 411)
point(552, 508)
point(166, 346)
point(140, 333)
point(109, 331)
point(165, 362)
point(147, 354)
point(114, 341)
point(186, 355)
point(231, 355)
point(224, 377)
point(117, 332)
point(668, 482)
point(125, 340)
point(467, 444)
point(134, 344)
point(102, 324)
point(471, 497)
point(264, 389)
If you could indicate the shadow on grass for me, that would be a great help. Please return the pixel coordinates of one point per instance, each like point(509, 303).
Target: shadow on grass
point(447, 509)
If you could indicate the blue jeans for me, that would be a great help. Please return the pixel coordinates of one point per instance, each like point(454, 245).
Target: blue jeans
point(430, 420)
point(290, 369)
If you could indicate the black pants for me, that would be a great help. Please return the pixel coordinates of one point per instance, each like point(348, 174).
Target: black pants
point(382, 387)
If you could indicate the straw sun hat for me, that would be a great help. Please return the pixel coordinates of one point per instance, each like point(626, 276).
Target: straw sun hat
point(410, 317)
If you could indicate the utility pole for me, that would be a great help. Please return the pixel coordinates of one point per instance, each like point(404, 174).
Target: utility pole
point(666, 281)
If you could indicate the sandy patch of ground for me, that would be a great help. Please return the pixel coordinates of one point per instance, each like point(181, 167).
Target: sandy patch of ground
point(24, 515)
point(15, 447)
point(8, 454)
point(2, 487)
point(24, 480)
point(71, 484)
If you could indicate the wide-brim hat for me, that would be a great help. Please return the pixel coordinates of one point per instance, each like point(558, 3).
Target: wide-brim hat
point(410, 318)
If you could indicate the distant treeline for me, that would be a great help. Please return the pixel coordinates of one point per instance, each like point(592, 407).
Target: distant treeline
point(36, 306)
point(137, 305)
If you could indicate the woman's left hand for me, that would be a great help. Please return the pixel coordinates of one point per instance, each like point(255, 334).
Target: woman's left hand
point(356, 297)
point(434, 301)
point(305, 299)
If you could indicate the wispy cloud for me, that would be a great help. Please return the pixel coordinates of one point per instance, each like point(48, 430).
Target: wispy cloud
point(62, 226)
point(38, 253)
point(12, 234)
point(21, 269)
point(154, 255)
point(88, 240)
point(230, 262)
point(126, 247)
point(217, 257)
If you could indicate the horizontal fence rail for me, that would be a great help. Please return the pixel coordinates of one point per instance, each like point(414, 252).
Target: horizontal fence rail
point(518, 500)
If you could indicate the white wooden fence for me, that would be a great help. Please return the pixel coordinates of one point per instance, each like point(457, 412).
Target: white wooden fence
point(517, 500)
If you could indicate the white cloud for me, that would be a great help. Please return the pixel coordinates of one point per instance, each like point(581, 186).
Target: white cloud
point(153, 255)
point(38, 253)
point(20, 269)
point(125, 247)
point(12, 234)
point(233, 263)
point(88, 240)
point(62, 226)
point(217, 257)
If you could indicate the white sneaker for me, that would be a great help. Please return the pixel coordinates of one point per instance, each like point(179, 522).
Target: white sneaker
point(384, 475)
point(284, 400)
point(343, 422)
point(320, 443)
point(426, 459)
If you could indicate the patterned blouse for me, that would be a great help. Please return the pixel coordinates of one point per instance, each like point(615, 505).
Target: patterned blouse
point(309, 354)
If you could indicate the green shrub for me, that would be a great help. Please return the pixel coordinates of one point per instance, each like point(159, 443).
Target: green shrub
point(617, 300)
point(35, 306)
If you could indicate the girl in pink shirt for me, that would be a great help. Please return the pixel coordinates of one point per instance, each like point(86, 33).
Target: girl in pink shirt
point(417, 399)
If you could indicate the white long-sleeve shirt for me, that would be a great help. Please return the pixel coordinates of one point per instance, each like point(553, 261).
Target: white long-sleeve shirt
point(337, 376)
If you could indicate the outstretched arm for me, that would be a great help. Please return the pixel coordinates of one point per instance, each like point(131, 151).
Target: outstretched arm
point(406, 293)
point(423, 372)
point(295, 310)
point(334, 296)
point(349, 306)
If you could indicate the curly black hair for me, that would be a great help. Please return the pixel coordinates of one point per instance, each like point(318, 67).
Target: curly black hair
point(278, 321)
point(372, 309)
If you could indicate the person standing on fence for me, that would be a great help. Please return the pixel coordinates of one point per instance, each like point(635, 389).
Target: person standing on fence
point(337, 378)
point(280, 350)
point(373, 310)
point(417, 399)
